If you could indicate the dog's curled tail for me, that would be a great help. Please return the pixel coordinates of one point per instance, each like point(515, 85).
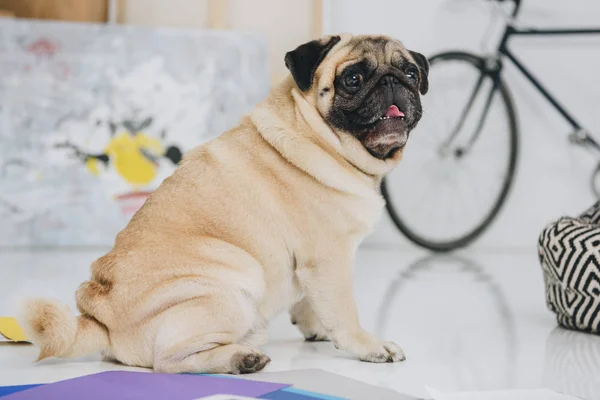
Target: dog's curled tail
point(58, 333)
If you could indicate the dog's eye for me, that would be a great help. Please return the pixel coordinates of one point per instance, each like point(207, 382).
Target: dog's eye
point(412, 73)
point(353, 80)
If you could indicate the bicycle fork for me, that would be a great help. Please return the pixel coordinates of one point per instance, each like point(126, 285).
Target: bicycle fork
point(491, 69)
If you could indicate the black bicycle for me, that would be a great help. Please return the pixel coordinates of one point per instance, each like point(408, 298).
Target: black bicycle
point(431, 198)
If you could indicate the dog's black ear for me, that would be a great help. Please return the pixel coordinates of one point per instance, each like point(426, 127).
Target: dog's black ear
point(303, 61)
point(423, 65)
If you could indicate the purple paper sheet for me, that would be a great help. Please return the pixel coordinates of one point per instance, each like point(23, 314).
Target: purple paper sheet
point(144, 386)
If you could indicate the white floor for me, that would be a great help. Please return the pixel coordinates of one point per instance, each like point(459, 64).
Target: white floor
point(477, 321)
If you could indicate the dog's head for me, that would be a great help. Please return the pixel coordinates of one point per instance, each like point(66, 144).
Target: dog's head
point(367, 87)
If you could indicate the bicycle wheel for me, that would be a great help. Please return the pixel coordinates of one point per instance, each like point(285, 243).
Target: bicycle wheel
point(452, 183)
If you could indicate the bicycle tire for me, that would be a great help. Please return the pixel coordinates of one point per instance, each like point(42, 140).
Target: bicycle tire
point(466, 239)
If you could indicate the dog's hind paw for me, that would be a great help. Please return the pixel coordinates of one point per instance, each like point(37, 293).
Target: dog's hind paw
point(248, 363)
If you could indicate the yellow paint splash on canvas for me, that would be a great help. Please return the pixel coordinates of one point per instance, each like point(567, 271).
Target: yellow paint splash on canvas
point(11, 330)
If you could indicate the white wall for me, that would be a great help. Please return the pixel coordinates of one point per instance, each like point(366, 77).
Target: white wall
point(176, 13)
point(553, 177)
point(285, 24)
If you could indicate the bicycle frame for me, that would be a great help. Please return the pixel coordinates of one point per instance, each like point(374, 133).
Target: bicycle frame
point(493, 70)
point(504, 50)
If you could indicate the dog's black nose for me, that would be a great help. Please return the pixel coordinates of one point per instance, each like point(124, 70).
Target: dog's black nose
point(389, 80)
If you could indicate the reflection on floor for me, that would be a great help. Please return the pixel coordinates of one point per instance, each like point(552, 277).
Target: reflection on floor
point(475, 321)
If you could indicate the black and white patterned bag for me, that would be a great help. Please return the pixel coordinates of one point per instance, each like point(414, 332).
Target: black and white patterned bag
point(569, 251)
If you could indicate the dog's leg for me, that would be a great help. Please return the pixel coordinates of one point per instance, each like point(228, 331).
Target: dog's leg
point(307, 321)
point(221, 359)
point(200, 335)
point(328, 284)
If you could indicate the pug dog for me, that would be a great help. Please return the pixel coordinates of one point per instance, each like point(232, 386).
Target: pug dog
point(263, 219)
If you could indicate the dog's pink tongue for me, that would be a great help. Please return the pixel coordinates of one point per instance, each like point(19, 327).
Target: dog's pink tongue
point(393, 112)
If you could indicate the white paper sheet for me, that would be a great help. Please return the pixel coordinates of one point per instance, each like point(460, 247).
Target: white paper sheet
point(533, 394)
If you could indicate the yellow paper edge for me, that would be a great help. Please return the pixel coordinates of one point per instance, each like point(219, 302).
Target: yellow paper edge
point(10, 329)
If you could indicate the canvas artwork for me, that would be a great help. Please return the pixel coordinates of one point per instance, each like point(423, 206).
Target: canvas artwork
point(94, 117)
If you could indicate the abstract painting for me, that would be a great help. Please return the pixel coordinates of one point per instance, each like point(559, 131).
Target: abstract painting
point(94, 117)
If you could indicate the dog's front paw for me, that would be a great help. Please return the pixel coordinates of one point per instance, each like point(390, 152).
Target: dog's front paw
point(383, 352)
point(308, 322)
point(367, 348)
point(312, 336)
point(312, 330)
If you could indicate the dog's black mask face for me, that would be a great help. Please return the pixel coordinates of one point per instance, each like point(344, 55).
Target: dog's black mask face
point(377, 90)
point(379, 103)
